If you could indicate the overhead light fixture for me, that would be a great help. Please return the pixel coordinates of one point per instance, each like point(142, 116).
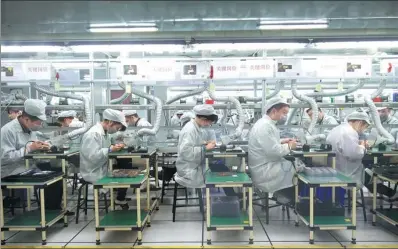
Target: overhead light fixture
point(293, 24)
point(122, 28)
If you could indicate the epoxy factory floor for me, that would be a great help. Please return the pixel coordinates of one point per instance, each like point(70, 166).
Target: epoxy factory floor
point(186, 232)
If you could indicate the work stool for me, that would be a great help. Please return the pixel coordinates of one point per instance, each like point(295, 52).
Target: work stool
point(266, 207)
point(175, 199)
point(85, 184)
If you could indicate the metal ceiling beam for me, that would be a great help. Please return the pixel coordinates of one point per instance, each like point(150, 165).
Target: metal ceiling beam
point(207, 36)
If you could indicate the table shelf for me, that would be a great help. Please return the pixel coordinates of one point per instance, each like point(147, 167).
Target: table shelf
point(123, 218)
point(130, 182)
point(240, 221)
point(329, 221)
point(390, 215)
point(33, 219)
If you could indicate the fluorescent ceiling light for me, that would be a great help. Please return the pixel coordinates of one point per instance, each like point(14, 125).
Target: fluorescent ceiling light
point(293, 26)
point(132, 24)
point(182, 20)
point(33, 49)
point(123, 29)
point(316, 21)
point(220, 19)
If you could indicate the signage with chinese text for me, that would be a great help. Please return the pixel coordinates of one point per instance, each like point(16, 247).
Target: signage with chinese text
point(37, 71)
point(290, 68)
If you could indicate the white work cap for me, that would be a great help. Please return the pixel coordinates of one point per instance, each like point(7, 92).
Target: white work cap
point(179, 112)
point(116, 116)
point(67, 114)
point(36, 108)
point(206, 110)
point(127, 113)
point(186, 117)
point(274, 101)
point(359, 116)
point(381, 108)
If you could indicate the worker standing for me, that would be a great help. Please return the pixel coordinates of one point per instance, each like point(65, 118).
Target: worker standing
point(269, 170)
point(175, 120)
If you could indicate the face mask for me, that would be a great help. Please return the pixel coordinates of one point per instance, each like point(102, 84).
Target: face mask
point(383, 118)
point(35, 128)
point(112, 130)
point(282, 120)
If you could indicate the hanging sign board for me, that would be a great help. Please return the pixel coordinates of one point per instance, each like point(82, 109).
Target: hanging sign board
point(389, 67)
point(37, 71)
point(257, 69)
point(358, 67)
point(194, 70)
point(161, 70)
point(331, 67)
point(291, 68)
point(226, 69)
point(11, 71)
point(133, 70)
point(310, 67)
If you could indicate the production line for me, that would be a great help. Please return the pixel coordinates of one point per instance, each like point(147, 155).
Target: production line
point(218, 157)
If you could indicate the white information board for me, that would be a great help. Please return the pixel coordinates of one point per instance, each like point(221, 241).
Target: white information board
point(161, 70)
point(37, 71)
point(331, 67)
point(228, 69)
point(257, 69)
point(12, 71)
point(358, 67)
point(288, 68)
point(193, 70)
point(133, 70)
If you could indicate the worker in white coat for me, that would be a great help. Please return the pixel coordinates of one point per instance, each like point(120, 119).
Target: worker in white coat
point(184, 119)
point(13, 113)
point(133, 119)
point(269, 170)
point(68, 119)
point(95, 147)
point(385, 118)
point(319, 133)
point(193, 141)
point(19, 137)
point(175, 120)
point(348, 147)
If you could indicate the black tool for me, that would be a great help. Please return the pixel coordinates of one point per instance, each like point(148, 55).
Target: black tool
point(326, 147)
point(382, 147)
point(306, 148)
point(223, 148)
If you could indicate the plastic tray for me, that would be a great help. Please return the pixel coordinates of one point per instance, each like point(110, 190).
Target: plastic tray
point(32, 176)
point(124, 173)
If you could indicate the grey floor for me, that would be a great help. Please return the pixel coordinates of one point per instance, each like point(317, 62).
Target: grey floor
point(187, 230)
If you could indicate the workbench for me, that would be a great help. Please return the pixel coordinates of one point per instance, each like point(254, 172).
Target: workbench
point(326, 222)
point(37, 220)
point(126, 220)
point(389, 215)
point(236, 179)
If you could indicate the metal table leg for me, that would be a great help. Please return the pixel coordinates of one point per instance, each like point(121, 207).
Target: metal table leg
point(251, 233)
point(374, 199)
point(148, 193)
point(97, 218)
point(311, 215)
point(139, 225)
point(354, 213)
point(43, 217)
point(64, 190)
point(208, 215)
point(3, 240)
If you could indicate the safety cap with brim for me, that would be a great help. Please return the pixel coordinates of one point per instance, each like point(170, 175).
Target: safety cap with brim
point(206, 111)
point(179, 112)
point(274, 101)
point(36, 108)
point(116, 116)
point(67, 114)
point(127, 113)
point(359, 116)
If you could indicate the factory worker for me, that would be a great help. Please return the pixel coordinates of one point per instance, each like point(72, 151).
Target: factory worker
point(349, 149)
point(319, 133)
point(175, 120)
point(95, 147)
point(385, 118)
point(193, 141)
point(13, 113)
point(15, 137)
point(133, 119)
point(184, 119)
point(269, 170)
point(68, 119)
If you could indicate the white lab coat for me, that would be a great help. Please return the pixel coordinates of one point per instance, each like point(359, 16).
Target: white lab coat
point(76, 123)
point(142, 122)
point(190, 161)
point(345, 142)
point(393, 131)
point(269, 170)
point(94, 154)
point(327, 120)
point(175, 121)
point(13, 142)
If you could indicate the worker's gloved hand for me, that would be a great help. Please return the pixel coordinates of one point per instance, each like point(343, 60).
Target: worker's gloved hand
point(300, 166)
